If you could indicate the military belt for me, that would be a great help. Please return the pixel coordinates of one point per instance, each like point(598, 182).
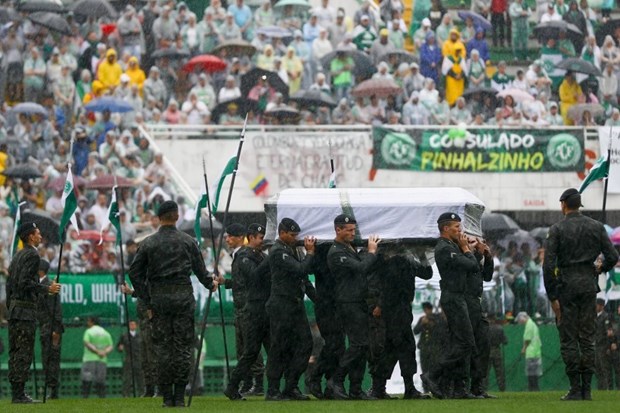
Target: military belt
point(23, 304)
point(159, 289)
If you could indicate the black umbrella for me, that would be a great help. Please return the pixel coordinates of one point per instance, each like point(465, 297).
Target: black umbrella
point(362, 65)
point(250, 79)
point(608, 29)
point(94, 8)
point(284, 114)
point(540, 233)
point(188, 227)
point(495, 225)
point(580, 66)
point(244, 105)
point(48, 226)
point(232, 48)
point(306, 98)
point(29, 108)
point(482, 91)
point(52, 21)
point(170, 53)
point(552, 29)
point(401, 55)
point(53, 6)
point(22, 172)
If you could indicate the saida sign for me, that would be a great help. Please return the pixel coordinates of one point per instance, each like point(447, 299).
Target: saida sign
point(478, 150)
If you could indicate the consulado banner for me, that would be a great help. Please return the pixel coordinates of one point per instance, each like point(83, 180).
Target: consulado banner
point(479, 150)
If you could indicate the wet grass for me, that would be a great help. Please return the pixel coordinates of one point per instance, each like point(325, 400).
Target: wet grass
point(546, 402)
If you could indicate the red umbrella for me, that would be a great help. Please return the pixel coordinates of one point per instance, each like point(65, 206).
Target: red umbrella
point(206, 62)
point(92, 235)
point(108, 182)
point(108, 29)
point(58, 184)
point(381, 88)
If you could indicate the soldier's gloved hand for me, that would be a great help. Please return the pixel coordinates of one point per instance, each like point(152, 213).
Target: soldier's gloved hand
point(54, 288)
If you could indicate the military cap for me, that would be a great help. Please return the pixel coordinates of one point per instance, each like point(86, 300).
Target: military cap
point(235, 230)
point(26, 229)
point(44, 266)
point(289, 225)
point(167, 206)
point(343, 219)
point(448, 216)
point(569, 193)
point(254, 229)
point(600, 301)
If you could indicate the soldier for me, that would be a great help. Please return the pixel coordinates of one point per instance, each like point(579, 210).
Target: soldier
point(425, 327)
point(50, 331)
point(22, 291)
point(614, 357)
point(480, 325)
point(290, 340)
point(240, 271)
point(253, 267)
point(329, 325)
point(456, 263)
point(350, 271)
point(394, 306)
point(160, 274)
point(132, 359)
point(571, 281)
point(497, 339)
point(376, 323)
point(602, 360)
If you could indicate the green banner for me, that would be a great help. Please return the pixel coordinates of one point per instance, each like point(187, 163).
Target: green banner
point(479, 150)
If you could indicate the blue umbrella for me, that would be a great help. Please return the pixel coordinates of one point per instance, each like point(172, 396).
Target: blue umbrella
point(479, 21)
point(30, 108)
point(274, 31)
point(110, 104)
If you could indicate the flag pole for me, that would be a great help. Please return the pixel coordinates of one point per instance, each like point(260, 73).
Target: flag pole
point(203, 325)
point(607, 178)
point(124, 297)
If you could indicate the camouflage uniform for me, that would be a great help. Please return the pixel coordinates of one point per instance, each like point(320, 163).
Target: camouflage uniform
point(147, 352)
point(497, 339)
point(160, 274)
point(50, 356)
point(135, 362)
point(23, 289)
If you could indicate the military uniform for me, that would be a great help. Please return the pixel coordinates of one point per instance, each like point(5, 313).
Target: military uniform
point(497, 339)
point(50, 356)
point(148, 359)
point(350, 271)
point(160, 274)
point(22, 291)
point(426, 342)
point(131, 360)
point(376, 325)
point(572, 247)
point(601, 356)
point(291, 340)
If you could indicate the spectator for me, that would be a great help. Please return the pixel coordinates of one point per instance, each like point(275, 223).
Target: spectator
point(97, 345)
point(476, 75)
point(498, 22)
point(570, 94)
point(550, 15)
point(230, 91)
point(130, 32)
point(519, 14)
point(419, 37)
point(165, 28)
point(338, 28)
point(341, 73)
point(154, 87)
point(294, 69)
point(229, 30)
point(109, 71)
point(454, 68)
point(34, 76)
point(243, 18)
point(364, 34)
point(430, 59)
point(436, 14)
point(501, 80)
point(479, 43)
point(414, 113)
point(208, 30)
point(264, 16)
point(381, 46)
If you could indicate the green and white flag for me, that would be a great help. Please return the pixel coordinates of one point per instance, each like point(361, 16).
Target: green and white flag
point(228, 170)
point(18, 221)
point(600, 170)
point(113, 218)
point(200, 204)
point(69, 205)
point(332, 180)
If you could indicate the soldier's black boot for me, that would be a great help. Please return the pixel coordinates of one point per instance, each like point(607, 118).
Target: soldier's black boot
point(292, 392)
point(356, 393)
point(586, 386)
point(411, 392)
point(314, 387)
point(477, 389)
point(86, 389)
point(432, 382)
point(179, 394)
point(461, 392)
point(19, 397)
point(54, 392)
point(273, 391)
point(257, 389)
point(232, 391)
point(575, 388)
point(246, 386)
point(377, 390)
point(166, 392)
point(149, 391)
point(336, 387)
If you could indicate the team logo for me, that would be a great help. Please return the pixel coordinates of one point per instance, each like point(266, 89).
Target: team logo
point(564, 151)
point(398, 149)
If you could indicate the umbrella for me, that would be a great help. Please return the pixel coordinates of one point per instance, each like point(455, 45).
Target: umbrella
point(299, 3)
point(615, 236)
point(22, 171)
point(275, 32)
point(58, 184)
point(205, 62)
point(52, 21)
point(108, 103)
point(243, 107)
point(540, 233)
point(93, 235)
point(53, 6)
point(8, 15)
point(552, 30)
point(496, 226)
point(479, 21)
point(381, 88)
point(402, 57)
point(48, 226)
point(608, 29)
point(234, 48)
point(30, 108)
point(94, 8)
point(313, 98)
point(579, 66)
point(108, 182)
point(520, 237)
point(576, 111)
point(517, 94)
point(188, 227)
point(483, 91)
point(250, 79)
point(170, 53)
point(362, 65)
point(285, 114)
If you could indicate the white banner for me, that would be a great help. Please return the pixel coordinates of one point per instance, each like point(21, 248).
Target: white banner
point(604, 133)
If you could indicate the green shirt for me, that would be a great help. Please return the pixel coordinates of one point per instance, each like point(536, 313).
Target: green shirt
point(99, 338)
point(531, 334)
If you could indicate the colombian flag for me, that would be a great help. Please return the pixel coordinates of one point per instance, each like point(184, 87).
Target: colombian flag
point(259, 185)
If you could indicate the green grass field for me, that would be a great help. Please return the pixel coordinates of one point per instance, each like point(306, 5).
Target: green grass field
point(547, 402)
